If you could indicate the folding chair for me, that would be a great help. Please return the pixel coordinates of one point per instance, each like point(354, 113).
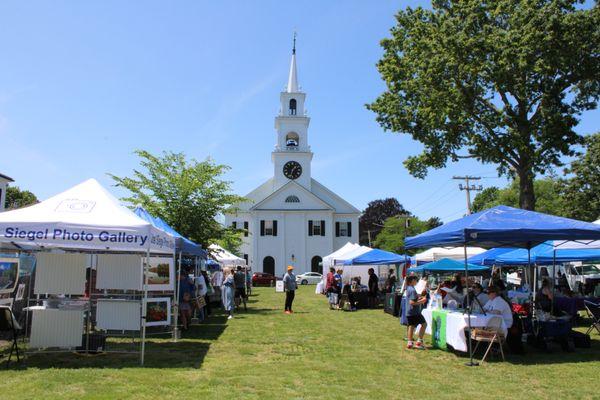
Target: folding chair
point(8, 323)
point(593, 311)
point(491, 334)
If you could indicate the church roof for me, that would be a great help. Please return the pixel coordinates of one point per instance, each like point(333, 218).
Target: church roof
point(8, 178)
point(310, 200)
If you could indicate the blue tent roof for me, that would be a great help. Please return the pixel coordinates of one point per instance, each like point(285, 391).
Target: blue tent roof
point(183, 244)
point(489, 257)
point(447, 265)
point(504, 226)
point(543, 254)
point(377, 257)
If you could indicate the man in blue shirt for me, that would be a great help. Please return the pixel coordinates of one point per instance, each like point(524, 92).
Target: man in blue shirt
point(414, 302)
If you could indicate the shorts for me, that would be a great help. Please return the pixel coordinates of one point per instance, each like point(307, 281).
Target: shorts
point(240, 292)
point(414, 320)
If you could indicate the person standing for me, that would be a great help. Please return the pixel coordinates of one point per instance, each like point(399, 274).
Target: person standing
point(201, 290)
point(239, 279)
point(413, 313)
point(373, 288)
point(290, 286)
point(228, 292)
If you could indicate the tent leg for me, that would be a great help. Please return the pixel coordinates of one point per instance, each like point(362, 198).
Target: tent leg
point(176, 302)
point(144, 306)
point(471, 363)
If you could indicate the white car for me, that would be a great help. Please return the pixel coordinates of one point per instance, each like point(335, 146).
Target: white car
point(309, 278)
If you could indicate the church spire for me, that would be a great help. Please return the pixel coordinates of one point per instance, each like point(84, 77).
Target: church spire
point(292, 85)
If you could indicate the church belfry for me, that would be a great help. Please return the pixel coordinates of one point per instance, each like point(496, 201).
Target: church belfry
point(292, 154)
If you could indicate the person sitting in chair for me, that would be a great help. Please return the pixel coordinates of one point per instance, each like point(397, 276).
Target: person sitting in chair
point(497, 305)
point(477, 297)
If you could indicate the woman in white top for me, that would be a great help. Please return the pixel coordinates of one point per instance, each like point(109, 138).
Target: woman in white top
point(497, 305)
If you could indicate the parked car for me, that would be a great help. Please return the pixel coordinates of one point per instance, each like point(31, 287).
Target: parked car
point(309, 278)
point(264, 278)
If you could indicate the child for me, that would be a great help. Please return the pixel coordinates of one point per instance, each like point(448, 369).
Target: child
point(413, 314)
point(186, 310)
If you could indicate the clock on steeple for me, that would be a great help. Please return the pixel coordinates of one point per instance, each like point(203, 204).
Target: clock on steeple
point(292, 170)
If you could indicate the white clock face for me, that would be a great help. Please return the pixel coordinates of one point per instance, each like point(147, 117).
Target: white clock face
point(292, 170)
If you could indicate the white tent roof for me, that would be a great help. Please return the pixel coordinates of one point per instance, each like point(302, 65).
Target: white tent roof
point(339, 260)
point(86, 217)
point(454, 253)
point(329, 260)
point(580, 244)
point(224, 257)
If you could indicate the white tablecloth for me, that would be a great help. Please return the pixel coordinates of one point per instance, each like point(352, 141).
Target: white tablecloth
point(456, 323)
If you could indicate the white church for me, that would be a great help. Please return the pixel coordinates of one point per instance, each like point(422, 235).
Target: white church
point(292, 219)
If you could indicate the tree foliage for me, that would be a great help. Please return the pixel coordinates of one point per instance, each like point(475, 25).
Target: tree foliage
point(377, 212)
point(188, 195)
point(548, 193)
point(391, 237)
point(581, 191)
point(17, 198)
point(501, 81)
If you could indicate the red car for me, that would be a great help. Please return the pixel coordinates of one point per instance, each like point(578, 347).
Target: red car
point(263, 278)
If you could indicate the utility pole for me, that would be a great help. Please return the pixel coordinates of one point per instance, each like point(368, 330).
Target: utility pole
point(468, 188)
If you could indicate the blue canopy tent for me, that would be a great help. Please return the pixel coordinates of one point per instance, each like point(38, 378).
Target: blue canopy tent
point(448, 265)
point(547, 254)
point(504, 226)
point(489, 257)
point(182, 244)
point(377, 257)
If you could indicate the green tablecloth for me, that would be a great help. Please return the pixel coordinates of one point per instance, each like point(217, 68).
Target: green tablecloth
point(438, 329)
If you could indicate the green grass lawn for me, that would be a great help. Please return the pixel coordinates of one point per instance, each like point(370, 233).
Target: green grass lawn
point(314, 353)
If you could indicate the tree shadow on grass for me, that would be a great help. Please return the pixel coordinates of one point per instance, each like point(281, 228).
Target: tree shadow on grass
point(161, 351)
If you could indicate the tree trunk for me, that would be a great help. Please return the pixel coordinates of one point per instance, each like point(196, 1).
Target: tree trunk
point(526, 192)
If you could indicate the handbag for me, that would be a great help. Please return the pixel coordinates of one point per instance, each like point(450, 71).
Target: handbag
point(200, 302)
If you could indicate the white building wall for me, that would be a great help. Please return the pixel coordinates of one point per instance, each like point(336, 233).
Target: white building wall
point(3, 187)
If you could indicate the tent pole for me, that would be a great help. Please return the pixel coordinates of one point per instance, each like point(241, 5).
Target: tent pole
point(144, 306)
point(176, 317)
point(553, 278)
point(533, 313)
point(471, 363)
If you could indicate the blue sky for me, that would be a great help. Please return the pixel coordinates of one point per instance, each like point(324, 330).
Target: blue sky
point(82, 85)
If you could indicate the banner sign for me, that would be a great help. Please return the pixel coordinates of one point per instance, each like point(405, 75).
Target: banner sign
point(438, 329)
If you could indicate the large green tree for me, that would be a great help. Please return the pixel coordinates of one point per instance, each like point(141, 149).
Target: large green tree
point(395, 230)
point(548, 192)
point(17, 198)
point(188, 195)
point(581, 191)
point(373, 217)
point(501, 81)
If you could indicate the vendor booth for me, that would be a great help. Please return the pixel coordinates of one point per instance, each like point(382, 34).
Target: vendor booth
point(225, 258)
point(330, 260)
point(99, 268)
point(504, 226)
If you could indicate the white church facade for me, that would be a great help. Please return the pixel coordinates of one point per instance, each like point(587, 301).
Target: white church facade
point(292, 219)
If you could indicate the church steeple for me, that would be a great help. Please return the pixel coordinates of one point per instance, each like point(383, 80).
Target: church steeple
point(292, 86)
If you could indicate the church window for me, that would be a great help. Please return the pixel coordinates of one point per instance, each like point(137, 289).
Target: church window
point(343, 229)
point(292, 199)
point(246, 228)
point(292, 110)
point(234, 225)
point(268, 228)
point(316, 228)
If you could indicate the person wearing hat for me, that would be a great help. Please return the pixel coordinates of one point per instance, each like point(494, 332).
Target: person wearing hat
point(290, 286)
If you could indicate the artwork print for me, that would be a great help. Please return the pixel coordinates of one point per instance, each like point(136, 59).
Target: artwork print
point(158, 311)
point(160, 273)
point(9, 274)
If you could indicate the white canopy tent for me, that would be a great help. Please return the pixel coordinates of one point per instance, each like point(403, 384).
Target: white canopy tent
point(85, 217)
point(224, 257)
point(329, 260)
point(88, 219)
point(360, 250)
point(453, 253)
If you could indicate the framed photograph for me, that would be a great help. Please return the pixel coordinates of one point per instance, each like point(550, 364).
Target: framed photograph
point(20, 292)
point(161, 273)
point(158, 311)
point(9, 274)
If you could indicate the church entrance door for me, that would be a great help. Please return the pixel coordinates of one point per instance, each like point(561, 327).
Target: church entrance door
point(269, 265)
point(316, 264)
